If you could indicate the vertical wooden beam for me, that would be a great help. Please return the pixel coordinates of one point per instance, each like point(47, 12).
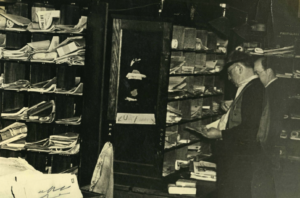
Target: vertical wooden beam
point(93, 91)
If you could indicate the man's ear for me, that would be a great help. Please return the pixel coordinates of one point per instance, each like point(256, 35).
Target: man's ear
point(240, 68)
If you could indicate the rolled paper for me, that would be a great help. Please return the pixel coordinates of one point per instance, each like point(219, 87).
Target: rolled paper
point(258, 50)
point(239, 48)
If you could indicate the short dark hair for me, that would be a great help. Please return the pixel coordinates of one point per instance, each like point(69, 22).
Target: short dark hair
point(239, 57)
point(264, 63)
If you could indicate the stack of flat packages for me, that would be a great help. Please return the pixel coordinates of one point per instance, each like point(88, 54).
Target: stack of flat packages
point(183, 187)
point(203, 170)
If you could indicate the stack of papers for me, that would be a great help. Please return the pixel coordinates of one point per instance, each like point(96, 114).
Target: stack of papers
point(177, 84)
point(70, 51)
point(173, 115)
point(204, 171)
point(270, 52)
point(47, 86)
point(15, 22)
point(79, 28)
point(66, 143)
point(77, 90)
point(13, 132)
point(37, 51)
point(18, 85)
point(182, 190)
point(17, 145)
point(69, 121)
point(285, 75)
point(176, 63)
point(41, 112)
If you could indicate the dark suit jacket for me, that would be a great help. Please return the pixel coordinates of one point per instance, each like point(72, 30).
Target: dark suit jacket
point(239, 147)
point(277, 96)
point(242, 139)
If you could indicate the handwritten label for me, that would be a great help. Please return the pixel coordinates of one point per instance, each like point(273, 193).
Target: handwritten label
point(135, 118)
point(48, 186)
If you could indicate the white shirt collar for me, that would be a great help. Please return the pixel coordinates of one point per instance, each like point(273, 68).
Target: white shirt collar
point(271, 82)
point(244, 82)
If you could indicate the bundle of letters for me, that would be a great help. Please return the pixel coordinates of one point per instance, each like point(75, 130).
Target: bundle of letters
point(66, 144)
point(47, 21)
point(176, 64)
point(13, 22)
point(17, 85)
point(70, 51)
point(69, 121)
point(203, 170)
point(13, 132)
point(173, 115)
point(41, 112)
point(44, 86)
point(183, 187)
point(284, 51)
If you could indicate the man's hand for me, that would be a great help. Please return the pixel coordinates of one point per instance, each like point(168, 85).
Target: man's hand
point(212, 133)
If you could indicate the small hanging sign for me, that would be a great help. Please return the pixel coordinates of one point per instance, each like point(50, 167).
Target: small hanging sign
point(135, 118)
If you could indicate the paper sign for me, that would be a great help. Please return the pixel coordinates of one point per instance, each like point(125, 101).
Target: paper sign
point(135, 118)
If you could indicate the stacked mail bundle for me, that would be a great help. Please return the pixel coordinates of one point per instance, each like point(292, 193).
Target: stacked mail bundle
point(13, 22)
point(183, 187)
point(69, 121)
point(71, 51)
point(41, 112)
point(177, 84)
point(17, 145)
point(173, 115)
point(284, 75)
point(65, 143)
point(198, 90)
point(46, 23)
point(203, 170)
point(44, 86)
point(283, 51)
point(18, 85)
point(36, 51)
point(176, 63)
point(77, 90)
point(13, 132)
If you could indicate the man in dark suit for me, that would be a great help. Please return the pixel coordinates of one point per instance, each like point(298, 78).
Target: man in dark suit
point(276, 96)
point(236, 147)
